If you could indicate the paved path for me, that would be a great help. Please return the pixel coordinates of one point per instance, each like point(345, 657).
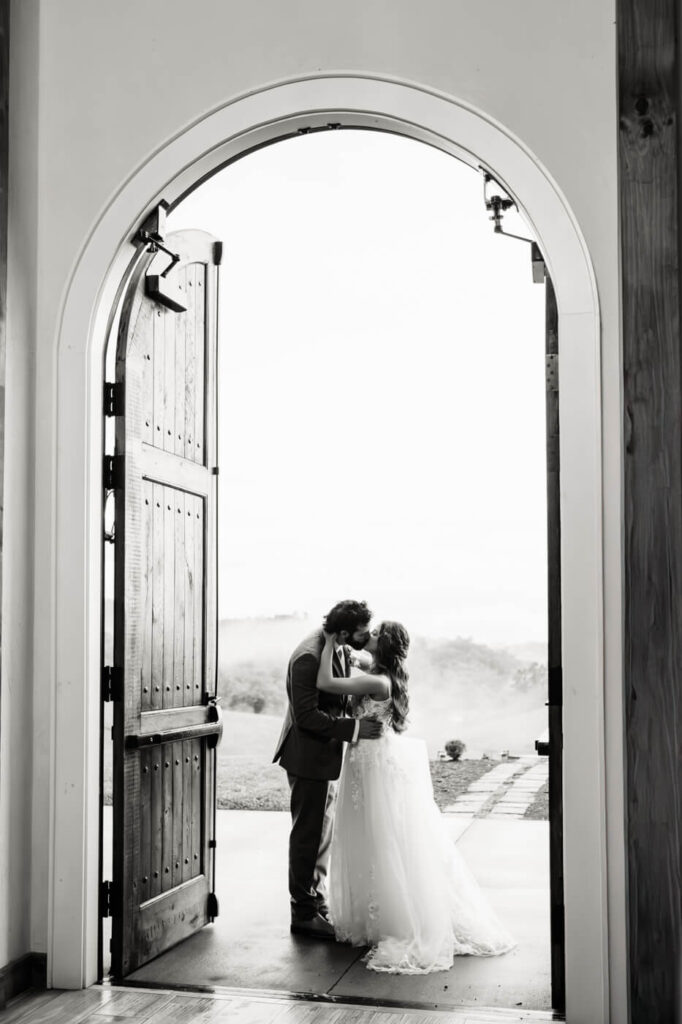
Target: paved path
point(249, 946)
point(506, 791)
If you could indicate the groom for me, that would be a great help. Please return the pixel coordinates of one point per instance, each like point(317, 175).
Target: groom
point(310, 749)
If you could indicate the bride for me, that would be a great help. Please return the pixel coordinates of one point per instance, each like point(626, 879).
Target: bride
point(397, 882)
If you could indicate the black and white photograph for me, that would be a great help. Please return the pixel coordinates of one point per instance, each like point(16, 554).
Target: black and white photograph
point(340, 512)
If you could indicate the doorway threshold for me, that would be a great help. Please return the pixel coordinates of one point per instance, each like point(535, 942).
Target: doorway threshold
point(465, 1013)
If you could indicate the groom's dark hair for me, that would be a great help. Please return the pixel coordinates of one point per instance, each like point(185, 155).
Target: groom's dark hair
point(348, 616)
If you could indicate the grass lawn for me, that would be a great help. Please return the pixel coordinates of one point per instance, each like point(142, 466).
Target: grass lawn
point(452, 778)
point(247, 779)
point(244, 784)
point(539, 809)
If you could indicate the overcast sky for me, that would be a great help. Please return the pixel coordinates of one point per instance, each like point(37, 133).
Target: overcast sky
point(381, 390)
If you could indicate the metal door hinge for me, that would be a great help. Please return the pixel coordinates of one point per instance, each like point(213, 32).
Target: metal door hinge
point(212, 844)
point(217, 253)
point(212, 906)
point(106, 899)
point(113, 399)
point(112, 472)
point(112, 683)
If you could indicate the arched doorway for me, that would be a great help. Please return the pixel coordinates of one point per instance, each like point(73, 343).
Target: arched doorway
point(256, 119)
point(334, 211)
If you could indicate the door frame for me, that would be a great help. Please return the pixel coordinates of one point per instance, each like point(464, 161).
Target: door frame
point(593, 952)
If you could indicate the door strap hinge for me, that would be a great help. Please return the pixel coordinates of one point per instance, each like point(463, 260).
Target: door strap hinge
point(212, 906)
point(112, 683)
point(105, 899)
point(112, 472)
point(113, 399)
point(212, 844)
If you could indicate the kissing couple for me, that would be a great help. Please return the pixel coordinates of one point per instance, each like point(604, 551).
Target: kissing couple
point(378, 847)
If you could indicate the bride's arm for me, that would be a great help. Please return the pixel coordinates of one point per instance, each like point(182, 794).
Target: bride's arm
point(378, 686)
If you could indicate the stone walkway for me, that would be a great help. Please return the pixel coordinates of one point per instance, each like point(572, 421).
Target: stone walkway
point(506, 791)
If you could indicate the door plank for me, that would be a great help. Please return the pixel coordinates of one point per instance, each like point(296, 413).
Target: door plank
point(147, 595)
point(177, 810)
point(169, 516)
point(189, 608)
point(156, 816)
point(649, 101)
point(168, 832)
point(145, 862)
point(179, 600)
point(159, 377)
point(198, 749)
point(147, 388)
point(190, 365)
point(186, 810)
point(200, 365)
point(169, 321)
point(168, 919)
point(166, 511)
point(199, 620)
point(157, 598)
point(180, 321)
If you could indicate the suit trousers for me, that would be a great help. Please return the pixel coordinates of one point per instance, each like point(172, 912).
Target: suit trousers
point(312, 816)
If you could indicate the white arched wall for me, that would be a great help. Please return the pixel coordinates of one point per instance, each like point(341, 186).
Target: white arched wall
point(75, 568)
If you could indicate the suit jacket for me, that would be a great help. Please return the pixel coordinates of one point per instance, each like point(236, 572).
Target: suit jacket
point(315, 727)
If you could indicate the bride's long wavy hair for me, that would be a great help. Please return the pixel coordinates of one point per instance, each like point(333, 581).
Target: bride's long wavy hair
point(393, 643)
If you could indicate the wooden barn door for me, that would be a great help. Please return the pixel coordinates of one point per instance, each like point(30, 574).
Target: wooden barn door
point(166, 717)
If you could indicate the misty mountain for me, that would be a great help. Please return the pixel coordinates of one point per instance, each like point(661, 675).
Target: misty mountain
point(491, 698)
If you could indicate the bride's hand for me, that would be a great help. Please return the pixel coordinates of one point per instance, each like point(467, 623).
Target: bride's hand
point(330, 638)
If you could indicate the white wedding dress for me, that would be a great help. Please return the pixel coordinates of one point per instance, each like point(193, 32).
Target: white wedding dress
point(397, 882)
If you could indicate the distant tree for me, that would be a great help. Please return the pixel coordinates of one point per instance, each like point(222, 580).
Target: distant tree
point(531, 677)
point(253, 686)
point(454, 749)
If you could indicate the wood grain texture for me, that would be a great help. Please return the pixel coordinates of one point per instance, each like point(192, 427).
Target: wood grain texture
point(164, 619)
point(102, 1004)
point(652, 393)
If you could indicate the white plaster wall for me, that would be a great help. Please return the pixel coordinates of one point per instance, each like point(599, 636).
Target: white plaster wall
point(117, 81)
point(16, 688)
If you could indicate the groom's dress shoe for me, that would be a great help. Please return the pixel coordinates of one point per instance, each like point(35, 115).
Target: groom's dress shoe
point(316, 927)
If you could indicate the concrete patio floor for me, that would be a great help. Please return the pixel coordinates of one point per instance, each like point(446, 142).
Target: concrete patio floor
point(250, 947)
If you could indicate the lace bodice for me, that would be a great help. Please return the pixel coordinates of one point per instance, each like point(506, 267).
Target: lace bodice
point(367, 707)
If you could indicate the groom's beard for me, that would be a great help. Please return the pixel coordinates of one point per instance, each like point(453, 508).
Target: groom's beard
point(359, 645)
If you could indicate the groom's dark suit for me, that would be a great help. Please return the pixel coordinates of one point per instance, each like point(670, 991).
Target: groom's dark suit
point(310, 749)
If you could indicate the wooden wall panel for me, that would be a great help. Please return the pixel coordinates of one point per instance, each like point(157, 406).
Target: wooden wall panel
point(648, 152)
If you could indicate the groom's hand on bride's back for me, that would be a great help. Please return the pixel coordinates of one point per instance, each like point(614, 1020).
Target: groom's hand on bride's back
point(370, 729)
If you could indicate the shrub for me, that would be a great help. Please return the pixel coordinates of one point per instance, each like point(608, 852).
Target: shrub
point(454, 749)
